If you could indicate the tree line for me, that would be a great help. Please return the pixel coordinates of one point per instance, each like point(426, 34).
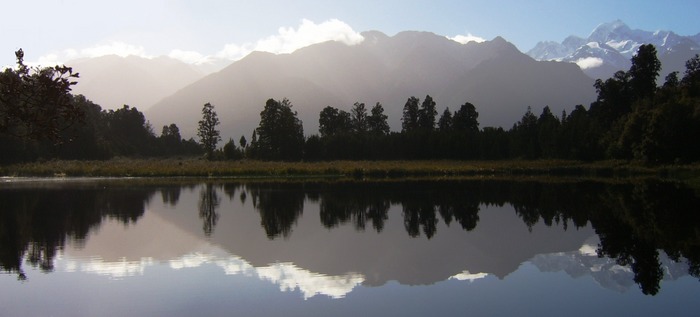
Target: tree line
point(632, 118)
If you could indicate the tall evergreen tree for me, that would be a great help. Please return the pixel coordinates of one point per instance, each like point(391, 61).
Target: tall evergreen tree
point(466, 119)
point(644, 71)
point(445, 122)
point(377, 120)
point(427, 114)
point(208, 134)
point(359, 118)
point(409, 120)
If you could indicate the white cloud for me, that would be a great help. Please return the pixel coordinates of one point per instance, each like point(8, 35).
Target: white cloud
point(308, 33)
point(113, 48)
point(589, 62)
point(190, 57)
point(464, 39)
point(289, 39)
point(234, 51)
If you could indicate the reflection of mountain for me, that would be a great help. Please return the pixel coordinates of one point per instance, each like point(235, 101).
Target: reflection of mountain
point(38, 219)
point(316, 236)
point(117, 251)
point(389, 255)
point(607, 272)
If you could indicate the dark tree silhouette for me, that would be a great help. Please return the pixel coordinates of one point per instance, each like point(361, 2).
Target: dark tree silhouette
point(35, 102)
point(644, 71)
point(358, 113)
point(208, 135)
point(409, 121)
point(280, 134)
point(427, 114)
point(377, 121)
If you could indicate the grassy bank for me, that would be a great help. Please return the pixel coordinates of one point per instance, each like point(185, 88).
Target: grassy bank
point(378, 169)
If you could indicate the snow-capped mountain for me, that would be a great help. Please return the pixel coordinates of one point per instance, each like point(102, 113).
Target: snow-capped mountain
point(610, 47)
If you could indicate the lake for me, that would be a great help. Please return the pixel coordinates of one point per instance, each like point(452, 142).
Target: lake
point(477, 247)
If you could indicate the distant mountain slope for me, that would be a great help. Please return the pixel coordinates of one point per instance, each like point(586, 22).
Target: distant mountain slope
point(112, 81)
point(501, 81)
point(610, 47)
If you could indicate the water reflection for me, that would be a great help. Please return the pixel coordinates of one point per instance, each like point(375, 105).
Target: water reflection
point(36, 223)
point(208, 203)
point(643, 230)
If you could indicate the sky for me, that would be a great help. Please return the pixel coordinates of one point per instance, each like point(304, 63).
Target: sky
point(57, 31)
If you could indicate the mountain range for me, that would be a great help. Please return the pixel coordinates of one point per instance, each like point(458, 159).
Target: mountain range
point(112, 81)
point(494, 76)
point(610, 47)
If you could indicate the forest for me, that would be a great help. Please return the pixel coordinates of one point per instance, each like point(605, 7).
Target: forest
point(634, 118)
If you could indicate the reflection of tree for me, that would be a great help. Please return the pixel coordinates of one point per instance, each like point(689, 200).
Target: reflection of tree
point(36, 223)
point(645, 218)
point(359, 205)
point(466, 213)
point(208, 203)
point(230, 189)
point(279, 206)
point(171, 194)
point(243, 197)
point(420, 214)
point(634, 221)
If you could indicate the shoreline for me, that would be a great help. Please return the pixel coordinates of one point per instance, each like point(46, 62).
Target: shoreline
point(344, 169)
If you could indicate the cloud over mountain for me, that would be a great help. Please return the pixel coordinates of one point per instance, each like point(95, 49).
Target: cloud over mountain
point(287, 40)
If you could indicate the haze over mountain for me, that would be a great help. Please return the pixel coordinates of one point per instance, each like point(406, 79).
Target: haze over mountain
point(497, 78)
point(610, 47)
point(112, 81)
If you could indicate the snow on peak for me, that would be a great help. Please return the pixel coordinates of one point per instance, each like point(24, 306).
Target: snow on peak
point(611, 45)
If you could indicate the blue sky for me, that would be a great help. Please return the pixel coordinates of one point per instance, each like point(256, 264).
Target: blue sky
point(59, 30)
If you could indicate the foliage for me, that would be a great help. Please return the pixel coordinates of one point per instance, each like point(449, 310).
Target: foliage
point(377, 121)
point(280, 134)
point(35, 102)
point(409, 121)
point(426, 114)
point(632, 119)
point(208, 135)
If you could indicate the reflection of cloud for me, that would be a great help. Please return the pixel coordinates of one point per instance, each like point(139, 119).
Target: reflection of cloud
point(466, 276)
point(464, 39)
point(97, 265)
point(191, 260)
point(290, 277)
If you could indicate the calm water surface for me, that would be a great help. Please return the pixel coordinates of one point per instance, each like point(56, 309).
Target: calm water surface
point(346, 248)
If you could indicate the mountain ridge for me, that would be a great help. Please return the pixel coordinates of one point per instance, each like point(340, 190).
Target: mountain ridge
point(385, 69)
point(610, 46)
point(112, 81)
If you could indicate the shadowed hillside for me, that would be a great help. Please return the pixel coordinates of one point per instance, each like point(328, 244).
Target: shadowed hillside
point(501, 81)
